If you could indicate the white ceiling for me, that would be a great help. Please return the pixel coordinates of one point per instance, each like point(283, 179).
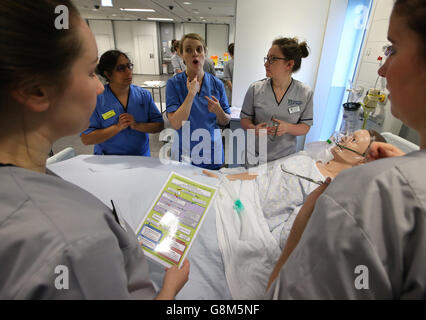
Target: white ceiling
point(212, 11)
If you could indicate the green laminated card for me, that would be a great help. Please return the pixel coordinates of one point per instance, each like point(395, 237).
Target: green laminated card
point(169, 228)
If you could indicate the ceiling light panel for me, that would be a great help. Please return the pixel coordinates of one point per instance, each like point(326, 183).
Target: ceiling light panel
point(137, 10)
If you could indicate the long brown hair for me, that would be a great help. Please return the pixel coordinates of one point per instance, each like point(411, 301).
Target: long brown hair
point(32, 49)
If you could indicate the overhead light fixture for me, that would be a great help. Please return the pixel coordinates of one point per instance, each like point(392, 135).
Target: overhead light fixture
point(186, 2)
point(161, 19)
point(138, 10)
point(106, 3)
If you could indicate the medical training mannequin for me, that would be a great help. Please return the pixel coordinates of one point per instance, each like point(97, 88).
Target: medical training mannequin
point(255, 212)
point(57, 240)
point(359, 141)
point(382, 221)
point(343, 158)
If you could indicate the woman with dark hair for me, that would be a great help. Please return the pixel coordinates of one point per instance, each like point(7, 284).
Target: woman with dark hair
point(279, 103)
point(176, 60)
point(124, 113)
point(366, 236)
point(228, 73)
point(57, 240)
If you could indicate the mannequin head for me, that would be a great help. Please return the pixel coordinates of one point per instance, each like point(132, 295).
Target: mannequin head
point(357, 142)
point(350, 151)
point(352, 148)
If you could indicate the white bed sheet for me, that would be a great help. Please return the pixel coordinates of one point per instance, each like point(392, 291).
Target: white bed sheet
point(251, 241)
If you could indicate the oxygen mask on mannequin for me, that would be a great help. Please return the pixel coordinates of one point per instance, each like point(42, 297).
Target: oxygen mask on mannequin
point(344, 141)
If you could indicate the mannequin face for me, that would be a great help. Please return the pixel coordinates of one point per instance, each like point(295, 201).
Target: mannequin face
point(358, 141)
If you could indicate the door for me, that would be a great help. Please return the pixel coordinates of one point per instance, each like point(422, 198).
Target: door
point(104, 43)
point(145, 47)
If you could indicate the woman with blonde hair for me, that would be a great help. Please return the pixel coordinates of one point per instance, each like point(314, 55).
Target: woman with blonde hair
point(198, 98)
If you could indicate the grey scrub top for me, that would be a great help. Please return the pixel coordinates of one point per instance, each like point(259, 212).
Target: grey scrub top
point(295, 107)
point(366, 238)
point(209, 66)
point(177, 63)
point(60, 242)
point(228, 70)
point(228, 73)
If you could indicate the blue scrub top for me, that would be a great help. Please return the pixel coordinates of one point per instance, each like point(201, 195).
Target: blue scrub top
point(108, 109)
point(199, 117)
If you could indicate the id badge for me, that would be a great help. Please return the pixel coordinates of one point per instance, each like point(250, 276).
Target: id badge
point(294, 109)
point(108, 114)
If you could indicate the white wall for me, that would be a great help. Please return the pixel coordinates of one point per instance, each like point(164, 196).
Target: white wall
point(258, 23)
point(124, 38)
point(104, 35)
point(126, 33)
point(142, 28)
point(199, 28)
point(367, 71)
point(232, 31)
point(178, 30)
point(217, 39)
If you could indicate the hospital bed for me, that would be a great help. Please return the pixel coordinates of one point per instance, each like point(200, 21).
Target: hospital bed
point(231, 262)
point(399, 142)
point(133, 182)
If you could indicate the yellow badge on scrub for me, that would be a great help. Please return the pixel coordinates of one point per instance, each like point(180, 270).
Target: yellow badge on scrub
point(108, 114)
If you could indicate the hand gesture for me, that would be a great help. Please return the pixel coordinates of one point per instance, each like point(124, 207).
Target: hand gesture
point(213, 105)
point(229, 85)
point(280, 130)
point(175, 278)
point(261, 129)
point(380, 150)
point(193, 86)
point(123, 121)
point(130, 119)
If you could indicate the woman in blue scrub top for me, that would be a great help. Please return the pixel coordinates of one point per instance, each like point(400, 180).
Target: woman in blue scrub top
point(124, 113)
point(199, 98)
